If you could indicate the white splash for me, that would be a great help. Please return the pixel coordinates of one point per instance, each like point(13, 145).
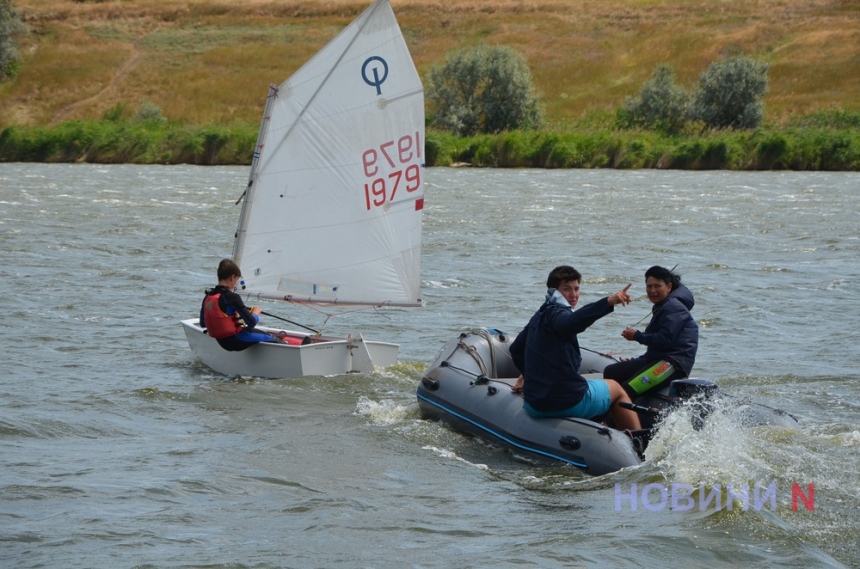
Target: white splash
point(384, 412)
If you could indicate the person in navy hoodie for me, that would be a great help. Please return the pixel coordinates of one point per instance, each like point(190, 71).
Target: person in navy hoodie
point(547, 354)
point(671, 338)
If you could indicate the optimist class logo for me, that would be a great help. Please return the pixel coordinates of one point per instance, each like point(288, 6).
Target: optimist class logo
point(379, 72)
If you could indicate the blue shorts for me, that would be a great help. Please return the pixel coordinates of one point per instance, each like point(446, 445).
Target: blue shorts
point(595, 402)
point(253, 337)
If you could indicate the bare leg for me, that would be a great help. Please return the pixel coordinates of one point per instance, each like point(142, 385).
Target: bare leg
point(624, 418)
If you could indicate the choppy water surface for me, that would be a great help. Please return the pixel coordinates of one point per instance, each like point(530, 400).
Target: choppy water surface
point(117, 449)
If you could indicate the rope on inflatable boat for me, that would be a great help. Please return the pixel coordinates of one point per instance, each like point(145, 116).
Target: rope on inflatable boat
point(486, 336)
point(474, 354)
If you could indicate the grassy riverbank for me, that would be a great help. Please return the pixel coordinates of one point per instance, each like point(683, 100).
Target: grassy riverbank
point(762, 149)
point(158, 142)
point(206, 64)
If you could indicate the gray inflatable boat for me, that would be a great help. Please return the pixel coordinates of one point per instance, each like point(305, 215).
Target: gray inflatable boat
point(468, 385)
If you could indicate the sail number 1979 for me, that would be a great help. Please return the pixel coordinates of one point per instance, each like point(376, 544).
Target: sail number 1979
point(403, 156)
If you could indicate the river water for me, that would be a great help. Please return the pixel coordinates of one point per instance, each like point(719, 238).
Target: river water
point(118, 449)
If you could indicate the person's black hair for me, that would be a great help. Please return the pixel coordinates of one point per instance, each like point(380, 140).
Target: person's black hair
point(665, 275)
point(562, 274)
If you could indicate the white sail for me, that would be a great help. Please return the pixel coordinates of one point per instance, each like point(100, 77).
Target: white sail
point(333, 208)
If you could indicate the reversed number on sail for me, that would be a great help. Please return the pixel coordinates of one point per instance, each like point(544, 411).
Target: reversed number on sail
point(400, 154)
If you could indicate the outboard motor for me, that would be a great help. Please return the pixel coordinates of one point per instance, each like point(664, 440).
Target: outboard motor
point(698, 390)
point(691, 387)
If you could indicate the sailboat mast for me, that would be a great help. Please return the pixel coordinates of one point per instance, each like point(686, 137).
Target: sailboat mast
point(239, 241)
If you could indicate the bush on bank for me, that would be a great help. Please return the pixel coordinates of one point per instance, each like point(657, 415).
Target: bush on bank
point(143, 142)
point(816, 145)
point(761, 149)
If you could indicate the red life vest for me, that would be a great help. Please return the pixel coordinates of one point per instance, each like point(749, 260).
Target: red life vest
point(219, 324)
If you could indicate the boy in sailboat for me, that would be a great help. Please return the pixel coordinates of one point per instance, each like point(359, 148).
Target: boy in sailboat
point(226, 317)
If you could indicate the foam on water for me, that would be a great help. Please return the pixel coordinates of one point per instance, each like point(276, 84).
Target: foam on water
point(450, 455)
point(384, 412)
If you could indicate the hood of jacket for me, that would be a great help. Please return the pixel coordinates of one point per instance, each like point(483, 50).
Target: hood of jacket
point(684, 295)
point(555, 297)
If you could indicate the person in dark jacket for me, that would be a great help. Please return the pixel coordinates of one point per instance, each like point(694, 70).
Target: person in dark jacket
point(226, 317)
point(671, 338)
point(547, 353)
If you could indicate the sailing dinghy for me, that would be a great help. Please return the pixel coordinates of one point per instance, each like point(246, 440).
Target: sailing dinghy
point(332, 211)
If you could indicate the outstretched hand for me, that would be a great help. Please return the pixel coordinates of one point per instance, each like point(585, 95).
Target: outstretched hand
point(621, 297)
point(629, 333)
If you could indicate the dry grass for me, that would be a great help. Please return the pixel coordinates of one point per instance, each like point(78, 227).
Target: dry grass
point(205, 61)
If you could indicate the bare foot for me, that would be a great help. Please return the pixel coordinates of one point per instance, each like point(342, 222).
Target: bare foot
point(518, 386)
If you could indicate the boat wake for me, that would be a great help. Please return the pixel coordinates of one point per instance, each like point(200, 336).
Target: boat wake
point(718, 449)
point(383, 412)
point(450, 455)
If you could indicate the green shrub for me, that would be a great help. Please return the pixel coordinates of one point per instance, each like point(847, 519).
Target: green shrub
point(149, 111)
point(660, 105)
point(729, 94)
point(771, 152)
point(116, 113)
point(487, 89)
point(828, 118)
point(10, 25)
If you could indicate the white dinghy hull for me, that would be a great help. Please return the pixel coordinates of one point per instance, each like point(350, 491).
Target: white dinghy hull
point(328, 356)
